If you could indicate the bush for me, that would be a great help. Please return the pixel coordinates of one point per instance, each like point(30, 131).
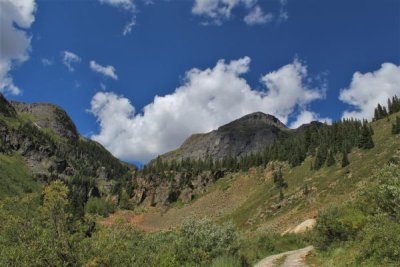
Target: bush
point(379, 241)
point(385, 196)
point(336, 225)
point(99, 206)
point(201, 241)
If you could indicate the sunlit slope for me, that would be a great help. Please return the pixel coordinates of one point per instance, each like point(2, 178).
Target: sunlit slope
point(252, 202)
point(15, 178)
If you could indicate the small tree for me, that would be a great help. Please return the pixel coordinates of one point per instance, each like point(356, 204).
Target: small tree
point(320, 158)
point(331, 159)
point(396, 126)
point(365, 140)
point(345, 159)
point(279, 182)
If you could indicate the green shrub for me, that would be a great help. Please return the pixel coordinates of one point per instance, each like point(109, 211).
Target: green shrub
point(385, 196)
point(380, 241)
point(336, 225)
point(200, 241)
point(99, 206)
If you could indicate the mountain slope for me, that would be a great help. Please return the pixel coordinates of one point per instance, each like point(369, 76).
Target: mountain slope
point(243, 136)
point(251, 200)
point(46, 143)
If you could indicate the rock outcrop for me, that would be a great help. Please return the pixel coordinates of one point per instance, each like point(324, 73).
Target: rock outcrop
point(243, 136)
point(49, 116)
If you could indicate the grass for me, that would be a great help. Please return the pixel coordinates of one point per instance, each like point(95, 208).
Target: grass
point(15, 178)
point(329, 185)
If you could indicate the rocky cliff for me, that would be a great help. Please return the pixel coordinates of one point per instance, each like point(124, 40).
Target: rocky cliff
point(243, 136)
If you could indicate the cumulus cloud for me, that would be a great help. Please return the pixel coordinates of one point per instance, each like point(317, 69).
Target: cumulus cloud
point(307, 116)
point(108, 71)
point(15, 17)
point(69, 59)
point(257, 16)
point(127, 5)
point(367, 90)
point(206, 100)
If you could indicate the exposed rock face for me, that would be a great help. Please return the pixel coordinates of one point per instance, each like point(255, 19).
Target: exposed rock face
point(49, 116)
point(243, 136)
point(156, 190)
point(5, 108)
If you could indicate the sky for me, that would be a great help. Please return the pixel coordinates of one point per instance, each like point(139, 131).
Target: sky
point(140, 76)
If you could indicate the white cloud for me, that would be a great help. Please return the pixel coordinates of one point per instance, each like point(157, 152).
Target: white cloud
point(283, 13)
point(367, 90)
point(108, 71)
point(125, 4)
point(257, 16)
point(219, 10)
point(128, 27)
point(206, 100)
point(15, 43)
point(129, 6)
point(307, 116)
point(47, 62)
point(69, 58)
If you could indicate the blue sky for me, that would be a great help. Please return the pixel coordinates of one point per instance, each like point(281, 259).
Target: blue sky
point(332, 40)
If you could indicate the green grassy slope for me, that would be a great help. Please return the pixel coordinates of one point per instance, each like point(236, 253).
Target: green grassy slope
point(15, 179)
point(327, 186)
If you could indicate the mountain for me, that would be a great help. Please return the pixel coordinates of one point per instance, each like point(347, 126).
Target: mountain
point(41, 139)
point(240, 137)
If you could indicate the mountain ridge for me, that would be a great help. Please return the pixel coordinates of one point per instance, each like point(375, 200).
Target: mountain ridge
point(47, 140)
point(241, 137)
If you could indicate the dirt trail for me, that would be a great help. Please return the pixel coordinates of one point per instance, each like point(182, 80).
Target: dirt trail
point(294, 258)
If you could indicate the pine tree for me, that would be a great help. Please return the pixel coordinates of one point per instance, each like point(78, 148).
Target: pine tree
point(396, 126)
point(278, 180)
point(345, 159)
point(331, 159)
point(320, 158)
point(365, 140)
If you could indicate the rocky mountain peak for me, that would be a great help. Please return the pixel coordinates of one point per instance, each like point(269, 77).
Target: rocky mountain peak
point(49, 116)
point(256, 118)
point(243, 136)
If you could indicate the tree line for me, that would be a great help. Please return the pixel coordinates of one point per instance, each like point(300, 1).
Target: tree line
point(321, 141)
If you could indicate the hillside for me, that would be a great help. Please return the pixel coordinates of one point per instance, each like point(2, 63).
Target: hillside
point(39, 143)
point(252, 201)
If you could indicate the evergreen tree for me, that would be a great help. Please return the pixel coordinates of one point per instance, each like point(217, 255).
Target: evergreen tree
point(331, 159)
point(365, 140)
point(345, 159)
point(396, 126)
point(320, 158)
point(278, 180)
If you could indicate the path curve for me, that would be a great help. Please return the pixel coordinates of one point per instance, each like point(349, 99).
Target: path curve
point(294, 258)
